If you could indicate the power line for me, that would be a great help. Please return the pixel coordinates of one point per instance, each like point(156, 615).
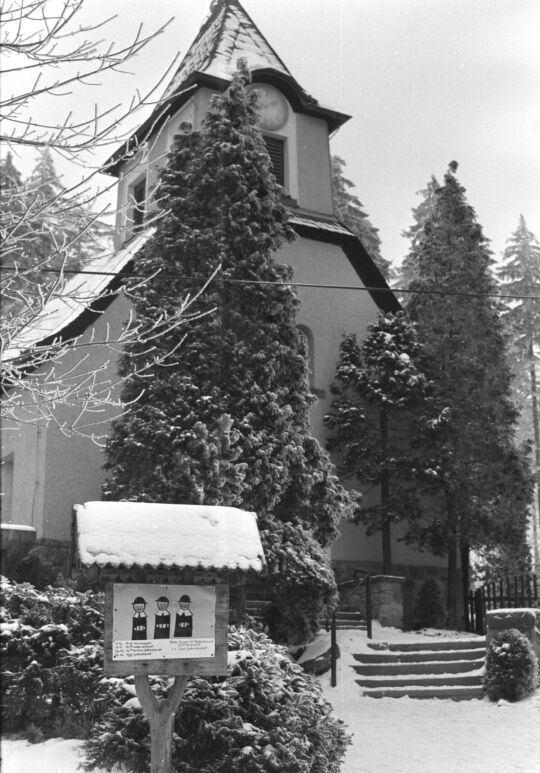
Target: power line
point(228, 280)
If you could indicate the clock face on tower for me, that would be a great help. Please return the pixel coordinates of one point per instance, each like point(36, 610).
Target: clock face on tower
point(272, 107)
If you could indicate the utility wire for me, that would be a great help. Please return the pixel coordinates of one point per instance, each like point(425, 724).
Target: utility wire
point(227, 280)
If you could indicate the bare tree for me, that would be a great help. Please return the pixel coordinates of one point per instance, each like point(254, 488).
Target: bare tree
point(46, 375)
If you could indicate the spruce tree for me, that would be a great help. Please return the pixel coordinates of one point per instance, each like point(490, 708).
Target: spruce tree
point(13, 232)
point(225, 419)
point(408, 270)
point(520, 276)
point(484, 479)
point(350, 211)
point(383, 401)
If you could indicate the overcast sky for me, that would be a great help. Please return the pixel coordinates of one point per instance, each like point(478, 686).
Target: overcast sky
point(425, 81)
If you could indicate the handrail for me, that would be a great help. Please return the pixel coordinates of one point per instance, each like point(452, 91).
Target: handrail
point(332, 626)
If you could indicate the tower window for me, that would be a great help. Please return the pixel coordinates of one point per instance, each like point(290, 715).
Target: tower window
point(276, 151)
point(138, 197)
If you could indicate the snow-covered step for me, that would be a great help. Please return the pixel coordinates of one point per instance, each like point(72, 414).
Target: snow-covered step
point(422, 680)
point(446, 644)
point(456, 693)
point(423, 667)
point(448, 668)
point(420, 656)
point(346, 619)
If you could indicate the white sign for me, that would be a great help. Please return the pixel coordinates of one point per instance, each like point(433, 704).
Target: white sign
point(163, 621)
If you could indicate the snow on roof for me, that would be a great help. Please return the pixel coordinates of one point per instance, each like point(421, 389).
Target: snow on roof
point(316, 221)
point(139, 533)
point(227, 35)
point(75, 297)
point(16, 527)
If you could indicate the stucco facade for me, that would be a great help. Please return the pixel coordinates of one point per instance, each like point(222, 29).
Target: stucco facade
point(51, 471)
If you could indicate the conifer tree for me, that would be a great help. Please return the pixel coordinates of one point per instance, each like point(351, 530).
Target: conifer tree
point(407, 271)
point(520, 276)
point(12, 207)
point(350, 211)
point(383, 405)
point(485, 480)
point(226, 421)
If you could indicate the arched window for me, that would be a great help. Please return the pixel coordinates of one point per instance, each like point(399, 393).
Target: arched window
point(310, 352)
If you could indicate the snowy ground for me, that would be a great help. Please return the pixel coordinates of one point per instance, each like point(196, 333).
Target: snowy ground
point(404, 735)
point(390, 735)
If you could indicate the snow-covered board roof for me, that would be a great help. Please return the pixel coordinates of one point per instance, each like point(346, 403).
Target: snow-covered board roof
point(76, 296)
point(126, 534)
point(227, 35)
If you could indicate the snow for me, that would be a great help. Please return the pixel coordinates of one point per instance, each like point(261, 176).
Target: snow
point(77, 294)
point(16, 527)
point(224, 38)
point(391, 735)
point(406, 735)
point(57, 755)
point(128, 533)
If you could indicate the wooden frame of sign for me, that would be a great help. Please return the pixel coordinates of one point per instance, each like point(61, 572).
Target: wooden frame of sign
point(167, 665)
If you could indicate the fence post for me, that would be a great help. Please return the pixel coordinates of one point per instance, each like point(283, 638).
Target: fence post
point(368, 608)
point(479, 611)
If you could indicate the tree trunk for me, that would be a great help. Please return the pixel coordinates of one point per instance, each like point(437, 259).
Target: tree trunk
point(386, 532)
point(536, 430)
point(160, 715)
point(465, 579)
point(453, 575)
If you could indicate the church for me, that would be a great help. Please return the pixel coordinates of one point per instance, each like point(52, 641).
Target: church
point(46, 471)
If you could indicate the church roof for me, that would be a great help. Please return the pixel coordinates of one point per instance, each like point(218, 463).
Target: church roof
point(69, 313)
point(78, 295)
point(227, 35)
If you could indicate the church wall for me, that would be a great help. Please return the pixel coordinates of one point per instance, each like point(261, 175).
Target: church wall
point(74, 468)
point(314, 177)
point(330, 314)
point(24, 451)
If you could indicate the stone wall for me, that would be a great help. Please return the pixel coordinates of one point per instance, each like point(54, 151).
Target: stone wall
point(527, 621)
point(387, 600)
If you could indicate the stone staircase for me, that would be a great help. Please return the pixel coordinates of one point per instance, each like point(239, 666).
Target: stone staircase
point(452, 668)
point(345, 619)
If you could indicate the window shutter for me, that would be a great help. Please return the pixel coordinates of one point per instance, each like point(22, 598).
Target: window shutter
point(276, 151)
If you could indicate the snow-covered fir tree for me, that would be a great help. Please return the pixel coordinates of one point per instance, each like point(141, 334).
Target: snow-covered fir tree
point(350, 211)
point(484, 478)
point(407, 271)
point(520, 276)
point(225, 421)
point(46, 230)
point(383, 405)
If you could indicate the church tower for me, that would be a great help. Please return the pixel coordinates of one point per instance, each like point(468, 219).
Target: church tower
point(340, 288)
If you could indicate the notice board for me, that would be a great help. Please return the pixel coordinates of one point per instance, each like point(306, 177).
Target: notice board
point(165, 629)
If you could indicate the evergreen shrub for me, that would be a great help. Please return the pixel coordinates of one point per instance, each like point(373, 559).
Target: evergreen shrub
point(267, 715)
point(429, 610)
point(511, 667)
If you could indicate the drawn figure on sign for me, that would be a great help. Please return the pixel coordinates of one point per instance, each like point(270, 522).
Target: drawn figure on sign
point(139, 619)
point(162, 628)
point(184, 618)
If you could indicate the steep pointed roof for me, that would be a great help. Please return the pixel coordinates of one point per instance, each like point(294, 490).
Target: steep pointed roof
point(227, 35)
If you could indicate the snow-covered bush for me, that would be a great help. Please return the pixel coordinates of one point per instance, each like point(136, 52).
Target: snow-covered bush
point(429, 610)
point(51, 660)
point(511, 666)
point(266, 716)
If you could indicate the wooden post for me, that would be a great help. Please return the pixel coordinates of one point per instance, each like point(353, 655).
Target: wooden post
point(160, 715)
point(333, 651)
point(368, 607)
